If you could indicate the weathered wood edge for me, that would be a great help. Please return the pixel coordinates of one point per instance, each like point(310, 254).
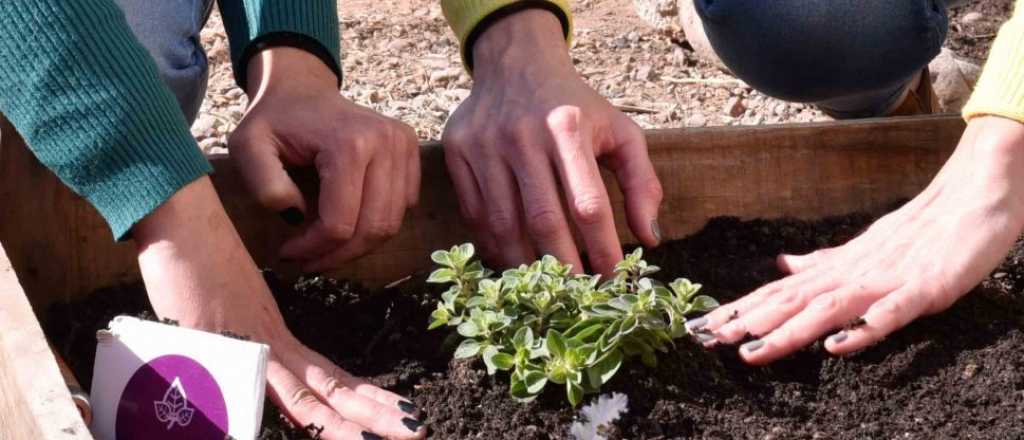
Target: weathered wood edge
point(34, 400)
point(801, 170)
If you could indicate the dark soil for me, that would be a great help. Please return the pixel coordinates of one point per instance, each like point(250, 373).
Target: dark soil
point(972, 39)
point(959, 374)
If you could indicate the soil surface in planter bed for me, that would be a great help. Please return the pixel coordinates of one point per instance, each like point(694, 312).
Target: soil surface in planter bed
point(959, 374)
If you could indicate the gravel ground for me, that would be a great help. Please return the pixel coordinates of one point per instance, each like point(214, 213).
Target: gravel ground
point(401, 59)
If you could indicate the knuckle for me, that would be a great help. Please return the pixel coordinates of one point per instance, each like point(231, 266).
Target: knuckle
point(302, 398)
point(566, 118)
point(546, 222)
point(338, 230)
point(590, 209)
point(825, 304)
point(787, 299)
point(891, 310)
point(379, 231)
point(329, 386)
point(503, 223)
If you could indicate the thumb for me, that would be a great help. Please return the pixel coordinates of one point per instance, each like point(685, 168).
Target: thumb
point(638, 181)
point(265, 176)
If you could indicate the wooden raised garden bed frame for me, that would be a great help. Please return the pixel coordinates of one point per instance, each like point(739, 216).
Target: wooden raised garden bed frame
point(59, 248)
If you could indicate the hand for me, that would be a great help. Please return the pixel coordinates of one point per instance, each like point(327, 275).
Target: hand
point(915, 261)
point(198, 272)
point(368, 164)
point(532, 126)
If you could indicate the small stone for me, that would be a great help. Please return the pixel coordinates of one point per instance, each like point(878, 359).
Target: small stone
point(398, 45)
point(203, 126)
point(970, 371)
point(972, 17)
point(999, 275)
point(734, 107)
point(442, 77)
point(207, 144)
point(696, 120)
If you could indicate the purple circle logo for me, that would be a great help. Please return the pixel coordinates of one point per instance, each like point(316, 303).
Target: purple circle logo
point(172, 397)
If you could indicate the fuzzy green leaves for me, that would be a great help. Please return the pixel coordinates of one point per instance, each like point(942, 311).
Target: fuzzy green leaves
point(543, 324)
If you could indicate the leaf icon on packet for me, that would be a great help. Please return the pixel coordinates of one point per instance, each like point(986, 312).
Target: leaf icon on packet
point(173, 409)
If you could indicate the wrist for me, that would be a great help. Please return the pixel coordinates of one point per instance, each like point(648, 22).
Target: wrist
point(530, 40)
point(285, 69)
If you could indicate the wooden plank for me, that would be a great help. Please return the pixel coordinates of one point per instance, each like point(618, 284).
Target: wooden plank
point(34, 400)
point(61, 248)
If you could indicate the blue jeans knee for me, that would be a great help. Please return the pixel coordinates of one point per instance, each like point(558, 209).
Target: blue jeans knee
point(851, 56)
point(169, 30)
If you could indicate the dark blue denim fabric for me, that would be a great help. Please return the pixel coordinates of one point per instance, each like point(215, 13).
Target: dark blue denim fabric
point(851, 57)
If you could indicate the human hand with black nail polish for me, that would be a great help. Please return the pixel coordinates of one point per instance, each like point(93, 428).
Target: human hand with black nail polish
point(368, 164)
point(915, 261)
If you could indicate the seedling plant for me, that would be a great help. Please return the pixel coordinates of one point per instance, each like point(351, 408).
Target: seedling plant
point(543, 324)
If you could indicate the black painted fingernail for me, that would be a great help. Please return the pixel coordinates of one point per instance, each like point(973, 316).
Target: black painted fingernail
point(412, 424)
point(696, 325)
point(406, 406)
point(704, 337)
point(752, 346)
point(293, 216)
point(656, 230)
point(838, 338)
point(371, 436)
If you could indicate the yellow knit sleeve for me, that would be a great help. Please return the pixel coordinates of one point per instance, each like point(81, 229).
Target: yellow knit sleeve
point(465, 16)
point(1000, 91)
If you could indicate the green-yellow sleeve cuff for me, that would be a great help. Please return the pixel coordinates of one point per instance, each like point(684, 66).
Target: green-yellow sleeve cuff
point(468, 18)
point(1000, 91)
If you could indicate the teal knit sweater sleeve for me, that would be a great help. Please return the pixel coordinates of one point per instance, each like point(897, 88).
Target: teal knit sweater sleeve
point(87, 98)
point(252, 25)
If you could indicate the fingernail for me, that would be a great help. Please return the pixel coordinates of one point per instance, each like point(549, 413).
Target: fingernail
point(371, 436)
point(752, 346)
point(656, 230)
point(838, 338)
point(406, 406)
point(696, 325)
point(412, 424)
point(703, 337)
point(293, 216)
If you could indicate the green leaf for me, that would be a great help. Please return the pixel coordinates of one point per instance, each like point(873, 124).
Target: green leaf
point(443, 258)
point(488, 355)
point(503, 361)
point(555, 344)
point(628, 325)
point(575, 393)
point(467, 349)
point(535, 381)
point(605, 368)
point(443, 275)
point(466, 251)
point(704, 303)
point(469, 329)
point(624, 302)
point(649, 359)
point(523, 338)
point(588, 333)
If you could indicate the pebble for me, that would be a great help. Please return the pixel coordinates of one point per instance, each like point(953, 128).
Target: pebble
point(970, 371)
point(696, 120)
point(734, 107)
point(972, 17)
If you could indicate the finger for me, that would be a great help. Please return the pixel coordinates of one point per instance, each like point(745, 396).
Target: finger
point(338, 389)
point(301, 405)
point(363, 387)
point(887, 315)
point(470, 202)
point(265, 176)
point(776, 310)
point(585, 191)
point(638, 181)
point(342, 177)
point(376, 221)
point(799, 263)
point(503, 216)
point(732, 311)
point(545, 221)
point(414, 173)
point(823, 314)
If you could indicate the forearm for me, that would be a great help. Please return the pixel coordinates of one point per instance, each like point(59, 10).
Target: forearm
point(469, 19)
point(1000, 90)
point(256, 25)
point(88, 100)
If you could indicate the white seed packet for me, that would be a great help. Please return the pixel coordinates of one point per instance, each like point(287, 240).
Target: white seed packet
point(154, 381)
